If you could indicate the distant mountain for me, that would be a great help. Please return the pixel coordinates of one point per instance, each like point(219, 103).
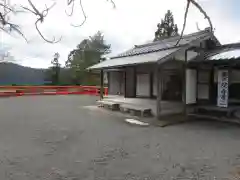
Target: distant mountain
point(11, 73)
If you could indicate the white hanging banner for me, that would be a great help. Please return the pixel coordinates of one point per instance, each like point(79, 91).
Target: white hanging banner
point(222, 100)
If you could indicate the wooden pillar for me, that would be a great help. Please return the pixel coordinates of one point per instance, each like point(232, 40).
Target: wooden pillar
point(211, 85)
point(197, 83)
point(108, 80)
point(101, 84)
point(135, 81)
point(159, 91)
point(125, 83)
point(185, 84)
point(151, 79)
point(229, 80)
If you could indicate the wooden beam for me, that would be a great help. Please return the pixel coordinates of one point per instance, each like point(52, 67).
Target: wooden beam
point(125, 83)
point(159, 91)
point(135, 81)
point(211, 85)
point(184, 83)
point(101, 84)
point(108, 80)
point(151, 76)
point(197, 72)
point(229, 81)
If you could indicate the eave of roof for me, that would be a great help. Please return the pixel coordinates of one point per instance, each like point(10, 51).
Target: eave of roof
point(152, 57)
point(224, 53)
point(135, 58)
point(233, 53)
point(165, 44)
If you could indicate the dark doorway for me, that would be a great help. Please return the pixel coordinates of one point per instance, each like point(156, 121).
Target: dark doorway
point(172, 89)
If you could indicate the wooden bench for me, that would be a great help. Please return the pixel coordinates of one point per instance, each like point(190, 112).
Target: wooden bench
point(109, 105)
point(136, 110)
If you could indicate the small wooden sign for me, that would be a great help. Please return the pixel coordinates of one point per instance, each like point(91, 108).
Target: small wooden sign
point(222, 100)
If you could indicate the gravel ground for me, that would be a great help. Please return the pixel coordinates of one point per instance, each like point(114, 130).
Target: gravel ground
point(59, 138)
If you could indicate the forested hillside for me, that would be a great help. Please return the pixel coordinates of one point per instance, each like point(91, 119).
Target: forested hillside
point(11, 73)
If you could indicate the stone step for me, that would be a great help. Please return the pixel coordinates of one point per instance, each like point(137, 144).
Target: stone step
point(136, 110)
point(108, 105)
point(125, 108)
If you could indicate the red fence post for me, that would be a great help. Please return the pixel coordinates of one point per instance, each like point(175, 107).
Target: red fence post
point(97, 91)
point(105, 91)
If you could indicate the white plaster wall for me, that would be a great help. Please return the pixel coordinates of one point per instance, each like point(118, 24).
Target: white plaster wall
point(155, 78)
point(114, 83)
point(203, 86)
point(143, 79)
point(191, 86)
point(143, 85)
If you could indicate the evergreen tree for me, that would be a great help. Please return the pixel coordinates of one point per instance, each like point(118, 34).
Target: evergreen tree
point(87, 53)
point(53, 73)
point(166, 28)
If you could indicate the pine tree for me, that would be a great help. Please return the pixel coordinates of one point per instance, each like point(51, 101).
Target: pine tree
point(53, 73)
point(166, 28)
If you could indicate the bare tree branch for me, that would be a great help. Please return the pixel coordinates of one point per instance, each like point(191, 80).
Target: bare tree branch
point(5, 21)
point(17, 29)
point(113, 3)
point(5, 30)
point(185, 17)
point(35, 11)
point(84, 15)
point(12, 27)
point(47, 9)
point(197, 27)
point(34, 8)
point(42, 36)
point(2, 19)
point(40, 19)
point(185, 20)
point(69, 2)
point(72, 8)
point(27, 9)
point(6, 7)
point(9, 9)
point(203, 12)
point(40, 16)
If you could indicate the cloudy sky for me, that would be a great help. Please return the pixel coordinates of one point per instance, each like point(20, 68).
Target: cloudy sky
point(131, 22)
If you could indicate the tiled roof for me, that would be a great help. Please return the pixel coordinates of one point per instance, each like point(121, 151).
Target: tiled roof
point(131, 60)
point(152, 52)
point(225, 52)
point(162, 44)
point(218, 55)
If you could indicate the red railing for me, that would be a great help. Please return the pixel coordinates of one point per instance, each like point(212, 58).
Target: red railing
point(50, 90)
